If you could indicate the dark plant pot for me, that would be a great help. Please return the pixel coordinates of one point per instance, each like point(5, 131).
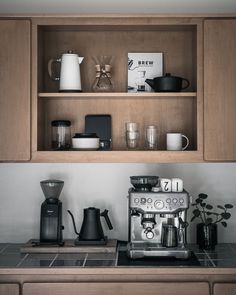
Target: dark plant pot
point(206, 236)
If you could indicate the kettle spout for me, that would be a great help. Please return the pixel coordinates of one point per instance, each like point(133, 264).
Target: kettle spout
point(73, 221)
point(80, 59)
point(150, 82)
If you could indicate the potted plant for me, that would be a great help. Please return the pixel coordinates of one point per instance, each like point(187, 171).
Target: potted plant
point(207, 229)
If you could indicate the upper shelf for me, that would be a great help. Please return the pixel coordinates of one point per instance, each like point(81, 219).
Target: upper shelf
point(115, 94)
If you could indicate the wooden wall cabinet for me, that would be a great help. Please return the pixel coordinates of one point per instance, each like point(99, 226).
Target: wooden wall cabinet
point(220, 90)
point(180, 40)
point(15, 88)
point(185, 54)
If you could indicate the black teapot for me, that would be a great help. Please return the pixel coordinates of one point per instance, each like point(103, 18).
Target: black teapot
point(167, 83)
point(91, 232)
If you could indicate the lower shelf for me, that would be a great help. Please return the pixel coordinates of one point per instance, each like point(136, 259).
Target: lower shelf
point(117, 156)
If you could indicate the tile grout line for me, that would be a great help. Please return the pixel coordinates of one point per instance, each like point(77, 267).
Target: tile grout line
point(211, 261)
point(117, 254)
point(53, 260)
point(232, 248)
point(85, 259)
point(23, 259)
point(4, 248)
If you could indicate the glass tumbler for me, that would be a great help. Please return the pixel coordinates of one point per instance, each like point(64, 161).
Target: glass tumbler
point(151, 137)
point(132, 135)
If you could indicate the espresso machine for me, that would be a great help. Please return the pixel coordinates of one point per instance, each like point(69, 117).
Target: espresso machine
point(157, 220)
point(51, 213)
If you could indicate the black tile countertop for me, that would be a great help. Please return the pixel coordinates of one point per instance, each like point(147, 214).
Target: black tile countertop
point(224, 256)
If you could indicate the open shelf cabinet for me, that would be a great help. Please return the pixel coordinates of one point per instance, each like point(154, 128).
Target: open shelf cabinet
point(180, 41)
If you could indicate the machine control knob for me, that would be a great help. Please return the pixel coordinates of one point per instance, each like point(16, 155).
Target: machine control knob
point(149, 234)
point(136, 200)
point(149, 200)
point(143, 200)
point(159, 204)
point(168, 200)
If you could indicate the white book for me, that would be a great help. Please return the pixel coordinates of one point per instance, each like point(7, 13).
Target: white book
point(142, 66)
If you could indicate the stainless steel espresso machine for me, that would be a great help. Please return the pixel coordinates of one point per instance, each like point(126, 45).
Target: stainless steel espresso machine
point(157, 220)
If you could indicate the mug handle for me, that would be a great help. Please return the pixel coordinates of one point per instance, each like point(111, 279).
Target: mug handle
point(50, 63)
point(187, 81)
point(187, 140)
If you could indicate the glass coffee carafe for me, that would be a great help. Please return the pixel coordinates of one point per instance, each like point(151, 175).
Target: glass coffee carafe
point(103, 80)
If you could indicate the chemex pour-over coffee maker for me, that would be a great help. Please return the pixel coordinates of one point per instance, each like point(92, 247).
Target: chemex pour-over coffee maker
point(51, 213)
point(91, 232)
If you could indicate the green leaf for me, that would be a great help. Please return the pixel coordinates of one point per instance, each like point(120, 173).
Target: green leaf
point(198, 201)
point(226, 215)
point(209, 207)
point(209, 213)
point(203, 196)
point(224, 223)
point(220, 207)
point(203, 205)
point(196, 212)
point(229, 206)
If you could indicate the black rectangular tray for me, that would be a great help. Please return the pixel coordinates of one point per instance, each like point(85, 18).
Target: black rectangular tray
point(124, 260)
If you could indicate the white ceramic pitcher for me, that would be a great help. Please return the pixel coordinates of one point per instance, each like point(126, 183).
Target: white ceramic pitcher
point(70, 72)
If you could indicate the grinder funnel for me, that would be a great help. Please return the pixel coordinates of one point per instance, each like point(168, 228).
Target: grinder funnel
point(52, 188)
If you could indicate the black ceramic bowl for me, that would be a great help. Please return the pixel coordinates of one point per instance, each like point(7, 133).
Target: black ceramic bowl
point(144, 183)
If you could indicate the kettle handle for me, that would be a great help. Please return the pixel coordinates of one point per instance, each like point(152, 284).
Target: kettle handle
point(108, 221)
point(51, 61)
point(187, 83)
point(73, 221)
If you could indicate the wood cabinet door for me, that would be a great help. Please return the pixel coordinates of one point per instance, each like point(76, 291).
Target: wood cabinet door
point(9, 289)
point(151, 288)
point(14, 90)
point(220, 90)
point(224, 289)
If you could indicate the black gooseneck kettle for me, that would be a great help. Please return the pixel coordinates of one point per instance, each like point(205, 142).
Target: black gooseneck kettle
point(91, 232)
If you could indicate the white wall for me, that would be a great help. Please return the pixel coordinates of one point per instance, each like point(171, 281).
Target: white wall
point(102, 186)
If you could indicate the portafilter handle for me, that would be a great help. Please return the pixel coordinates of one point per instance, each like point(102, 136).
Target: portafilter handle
point(108, 221)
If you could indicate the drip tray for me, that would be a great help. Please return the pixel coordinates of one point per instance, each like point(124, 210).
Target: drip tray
point(124, 260)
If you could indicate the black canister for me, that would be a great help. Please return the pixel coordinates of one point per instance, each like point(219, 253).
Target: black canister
point(61, 134)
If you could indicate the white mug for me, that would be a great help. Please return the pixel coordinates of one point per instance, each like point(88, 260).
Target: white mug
point(166, 185)
point(177, 185)
point(174, 142)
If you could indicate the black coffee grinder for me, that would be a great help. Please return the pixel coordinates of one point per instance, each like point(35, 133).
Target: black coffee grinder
point(51, 213)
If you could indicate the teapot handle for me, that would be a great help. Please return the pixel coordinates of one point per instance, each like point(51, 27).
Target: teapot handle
point(108, 221)
point(187, 81)
point(51, 61)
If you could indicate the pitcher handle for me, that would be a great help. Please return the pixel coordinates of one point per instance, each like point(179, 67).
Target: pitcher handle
point(187, 140)
point(108, 221)
point(187, 81)
point(50, 63)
